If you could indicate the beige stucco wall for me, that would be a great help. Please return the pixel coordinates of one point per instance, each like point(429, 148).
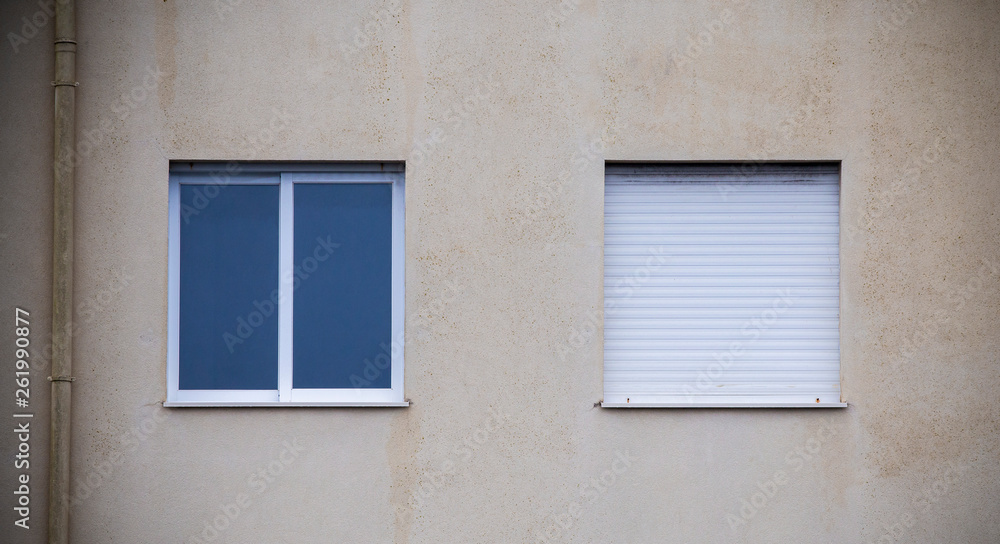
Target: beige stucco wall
point(504, 264)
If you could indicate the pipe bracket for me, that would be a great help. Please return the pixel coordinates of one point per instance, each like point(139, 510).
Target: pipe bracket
point(65, 84)
point(62, 379)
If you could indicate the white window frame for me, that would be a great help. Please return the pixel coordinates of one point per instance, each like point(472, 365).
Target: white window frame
point(286, 177)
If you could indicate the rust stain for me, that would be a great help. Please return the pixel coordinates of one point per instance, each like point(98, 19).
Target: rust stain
point(401, 451)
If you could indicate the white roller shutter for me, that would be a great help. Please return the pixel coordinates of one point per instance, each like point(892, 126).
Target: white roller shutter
point(721, 285)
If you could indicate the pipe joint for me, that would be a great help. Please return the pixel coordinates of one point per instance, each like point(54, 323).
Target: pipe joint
point(65, 45)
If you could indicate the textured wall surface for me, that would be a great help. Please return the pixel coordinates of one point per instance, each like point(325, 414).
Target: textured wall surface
point(505, 113)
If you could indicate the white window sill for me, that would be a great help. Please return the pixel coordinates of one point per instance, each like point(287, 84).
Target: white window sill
point(724, 405)
point(231, 404)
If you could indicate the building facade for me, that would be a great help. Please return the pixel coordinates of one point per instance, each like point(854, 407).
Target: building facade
point(504, 121)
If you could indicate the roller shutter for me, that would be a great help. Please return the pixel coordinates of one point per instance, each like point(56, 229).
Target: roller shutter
point(721, 285)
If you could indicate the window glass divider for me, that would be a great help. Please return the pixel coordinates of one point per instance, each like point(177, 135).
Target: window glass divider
point(286, 279)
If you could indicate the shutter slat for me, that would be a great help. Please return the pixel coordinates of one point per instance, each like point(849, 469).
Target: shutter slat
point(633, 370)
point(709, 356)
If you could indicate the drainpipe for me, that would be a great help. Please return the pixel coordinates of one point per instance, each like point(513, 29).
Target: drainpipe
point(64, 129)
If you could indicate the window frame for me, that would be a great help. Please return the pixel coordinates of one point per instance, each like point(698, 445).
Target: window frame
point(286, 177)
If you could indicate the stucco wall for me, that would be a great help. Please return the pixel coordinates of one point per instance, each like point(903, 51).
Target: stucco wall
point(504, 265)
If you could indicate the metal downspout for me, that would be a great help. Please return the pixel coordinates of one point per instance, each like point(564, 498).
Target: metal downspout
point(64, 134)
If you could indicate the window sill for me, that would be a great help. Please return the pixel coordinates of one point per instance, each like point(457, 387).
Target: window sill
point(724, 405)
point(230, 404)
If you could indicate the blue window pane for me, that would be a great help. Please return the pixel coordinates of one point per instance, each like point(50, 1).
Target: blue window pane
point(228, 287)
point(343, 286)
